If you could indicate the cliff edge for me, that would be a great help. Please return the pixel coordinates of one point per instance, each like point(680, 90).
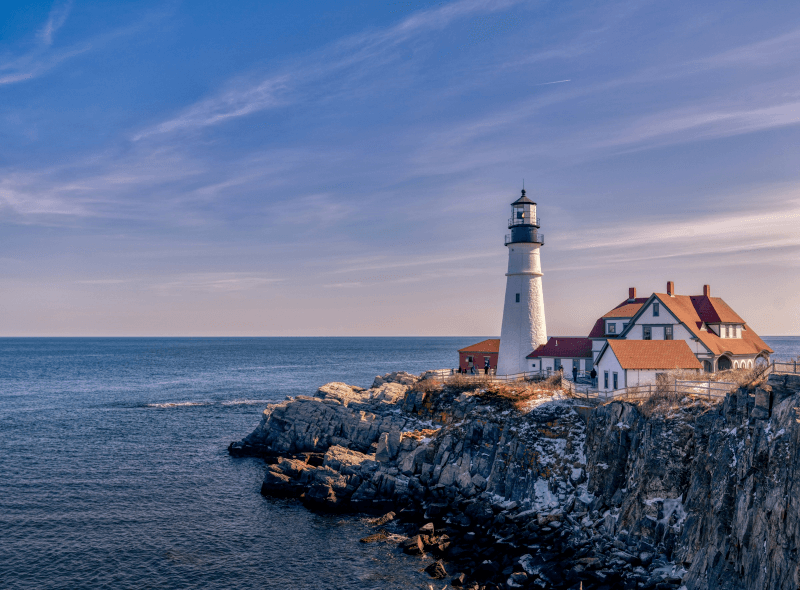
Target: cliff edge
point(517, 490)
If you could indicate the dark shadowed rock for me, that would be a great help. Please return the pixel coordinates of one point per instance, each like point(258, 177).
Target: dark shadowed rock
point(413, 546)
point(436, 570)
point(426, 529)
point(388, 517)
point(379, 536)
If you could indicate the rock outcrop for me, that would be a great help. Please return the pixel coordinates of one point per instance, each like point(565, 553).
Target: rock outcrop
point(719, 492)
point(519, 495)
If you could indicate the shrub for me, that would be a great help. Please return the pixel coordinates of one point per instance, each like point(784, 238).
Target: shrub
point(428, 385)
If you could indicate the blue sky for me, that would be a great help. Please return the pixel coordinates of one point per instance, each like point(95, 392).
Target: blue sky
point(346, 168)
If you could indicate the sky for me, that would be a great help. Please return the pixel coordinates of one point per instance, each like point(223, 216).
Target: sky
point(346, 168)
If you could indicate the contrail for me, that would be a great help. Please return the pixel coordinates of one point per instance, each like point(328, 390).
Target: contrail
point(556, 82)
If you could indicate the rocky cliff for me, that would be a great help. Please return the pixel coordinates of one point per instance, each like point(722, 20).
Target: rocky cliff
point(528, 494)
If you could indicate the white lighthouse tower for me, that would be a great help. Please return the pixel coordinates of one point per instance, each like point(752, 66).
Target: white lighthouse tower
point(524, 327)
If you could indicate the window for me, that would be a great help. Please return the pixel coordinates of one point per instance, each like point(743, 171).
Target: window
point(616, 383)
point(667, 332)
point(624, 325)
point(469, 359)
point(611, 328)
point(587, 364)
point(520, 214)
point(517, 297)
point(655, 309)
point(576, 364)
point(605, 380)
point(556, 364)
point(647, 333)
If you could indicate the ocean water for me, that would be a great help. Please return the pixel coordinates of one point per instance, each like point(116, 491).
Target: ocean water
point(785, 347)
point(114, 471)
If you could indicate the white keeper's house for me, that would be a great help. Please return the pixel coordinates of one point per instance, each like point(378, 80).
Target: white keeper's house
point(666, 331)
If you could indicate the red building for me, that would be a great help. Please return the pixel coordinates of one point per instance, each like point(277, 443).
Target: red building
point(479, 355)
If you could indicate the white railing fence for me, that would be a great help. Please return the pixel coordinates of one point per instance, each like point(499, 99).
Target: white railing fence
point(785, 367)
point(705, 389)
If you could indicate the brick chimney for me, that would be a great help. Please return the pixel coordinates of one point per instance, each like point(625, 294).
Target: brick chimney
point(631, 293)
point(670, 288)
point(706, 290)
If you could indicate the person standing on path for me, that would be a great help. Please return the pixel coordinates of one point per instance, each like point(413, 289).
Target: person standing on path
point(574, 374)
point(593, 374)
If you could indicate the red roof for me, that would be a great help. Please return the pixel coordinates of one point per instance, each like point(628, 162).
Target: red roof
point(560, 347)
point(713, 310)
point(626, 309)
point(490, 345)
point(691, 310)
point(654, 354)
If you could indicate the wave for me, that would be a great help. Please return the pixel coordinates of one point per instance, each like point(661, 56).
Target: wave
point(177, 404)
point(187, 404)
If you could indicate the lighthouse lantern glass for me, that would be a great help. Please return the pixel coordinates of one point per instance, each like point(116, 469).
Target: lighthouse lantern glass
point(524, 213)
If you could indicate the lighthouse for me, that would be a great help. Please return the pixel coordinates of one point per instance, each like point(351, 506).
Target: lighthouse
point(524, 327)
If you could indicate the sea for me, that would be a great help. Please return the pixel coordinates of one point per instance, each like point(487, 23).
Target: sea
point(114, 471)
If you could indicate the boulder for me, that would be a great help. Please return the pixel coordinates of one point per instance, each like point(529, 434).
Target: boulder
point(436, 570)
point(413, 546)
point(341, 392)
point(426, 529)
point(388, 517)
point(388, 445)
point(400, 377)
point(279, 485)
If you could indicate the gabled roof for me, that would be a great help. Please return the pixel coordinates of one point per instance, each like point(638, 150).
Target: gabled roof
point(626, 309)
point(490, 345)
point(688, 309)
point(653, 354)
point(559, 346)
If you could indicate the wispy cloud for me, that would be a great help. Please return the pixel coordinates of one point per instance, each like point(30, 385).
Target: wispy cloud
point(214, 282)
point(736, 232)
point(58, 15)
point(373, 49)
point(767, 52)
point(104, 281)
point(683, 126)
point(45, 55)
point(380, 263)
point(41, 58)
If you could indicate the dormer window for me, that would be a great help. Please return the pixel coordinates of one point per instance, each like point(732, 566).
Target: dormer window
point(611, 328)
